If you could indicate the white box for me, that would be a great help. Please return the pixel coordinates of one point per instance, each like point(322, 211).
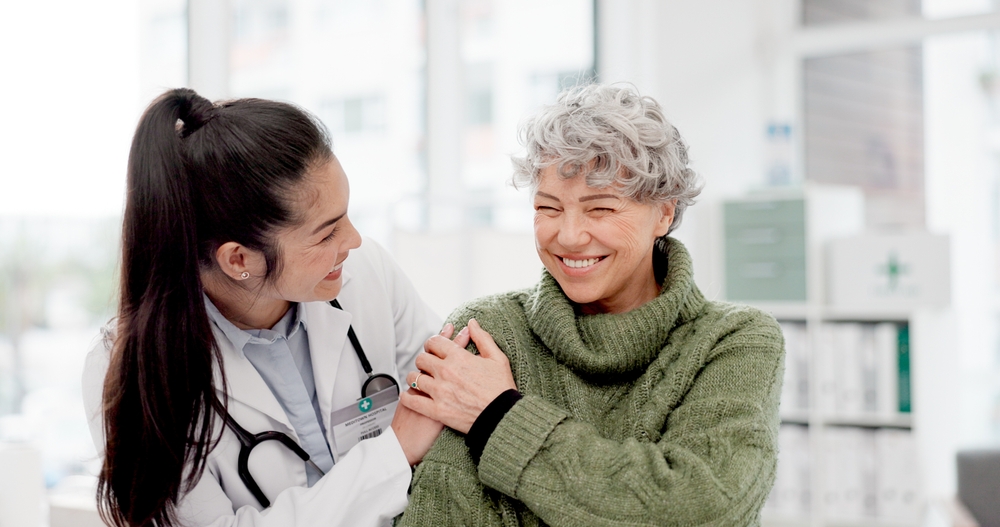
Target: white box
point(21, 485)
point(889, 271)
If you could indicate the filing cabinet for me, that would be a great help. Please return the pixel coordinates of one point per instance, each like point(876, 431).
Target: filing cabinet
point(765, 244)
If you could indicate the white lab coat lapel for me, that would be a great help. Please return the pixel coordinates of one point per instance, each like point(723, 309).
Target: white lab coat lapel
point(246, 385)
point(327, 336)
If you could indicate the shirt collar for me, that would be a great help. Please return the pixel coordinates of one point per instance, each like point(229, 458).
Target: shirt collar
point(287, 327)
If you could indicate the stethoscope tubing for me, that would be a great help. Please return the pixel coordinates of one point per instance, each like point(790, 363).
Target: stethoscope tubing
point(248, 441)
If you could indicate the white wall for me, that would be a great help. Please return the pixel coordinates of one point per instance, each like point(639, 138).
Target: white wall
point(715, 67)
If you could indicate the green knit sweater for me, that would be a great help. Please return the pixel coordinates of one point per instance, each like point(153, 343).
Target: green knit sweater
point(664, 415)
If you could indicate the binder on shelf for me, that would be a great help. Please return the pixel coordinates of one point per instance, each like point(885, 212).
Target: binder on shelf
point(795, 390)
point(899, 493)
point(904, 370)
point(827, 368)
point(886, 344)
point(848, 368)
point(790, 497)
point(850, 473)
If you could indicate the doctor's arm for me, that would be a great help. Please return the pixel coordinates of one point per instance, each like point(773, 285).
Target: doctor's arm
point(366, 487)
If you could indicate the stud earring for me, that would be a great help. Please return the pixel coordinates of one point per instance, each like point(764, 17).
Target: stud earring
point(244, 275)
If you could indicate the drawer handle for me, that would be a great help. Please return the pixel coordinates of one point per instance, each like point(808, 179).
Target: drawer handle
point(761, 270)
point(762, 236)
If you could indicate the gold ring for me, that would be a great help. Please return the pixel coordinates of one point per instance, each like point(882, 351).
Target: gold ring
point(414, 383)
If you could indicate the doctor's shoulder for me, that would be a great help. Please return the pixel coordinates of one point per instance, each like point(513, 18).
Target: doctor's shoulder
point(95, 368)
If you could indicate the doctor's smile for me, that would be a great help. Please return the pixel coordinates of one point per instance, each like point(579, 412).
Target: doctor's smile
point(336, 272)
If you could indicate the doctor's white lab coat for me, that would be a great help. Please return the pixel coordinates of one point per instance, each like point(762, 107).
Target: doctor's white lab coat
point(368, 485)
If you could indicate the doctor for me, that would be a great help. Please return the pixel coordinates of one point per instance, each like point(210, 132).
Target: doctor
point(251, 376)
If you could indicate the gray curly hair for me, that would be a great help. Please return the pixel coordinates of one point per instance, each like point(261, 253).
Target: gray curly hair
point(613, 136)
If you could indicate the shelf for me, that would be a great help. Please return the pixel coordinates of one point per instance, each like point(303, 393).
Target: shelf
point(771, 520)
point(803, 311)
point(873, 522)
point(795, 418)
point(872, 421)
point(775, 520)
point(861, 314)
point(781, 310)
point(904, 421)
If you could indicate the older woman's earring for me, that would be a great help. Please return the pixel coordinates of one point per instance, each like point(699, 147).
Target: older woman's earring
point(244, 275)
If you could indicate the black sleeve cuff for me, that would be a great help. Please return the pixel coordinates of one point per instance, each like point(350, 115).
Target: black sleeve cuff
point(487, 422)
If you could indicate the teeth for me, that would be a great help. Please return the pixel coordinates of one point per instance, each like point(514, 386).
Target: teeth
point(335, 269)
point(580, 263)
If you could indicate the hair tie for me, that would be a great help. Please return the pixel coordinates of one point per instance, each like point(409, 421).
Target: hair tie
point(196, 112)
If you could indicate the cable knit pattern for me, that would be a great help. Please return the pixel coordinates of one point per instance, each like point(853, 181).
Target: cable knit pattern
point(664, 415)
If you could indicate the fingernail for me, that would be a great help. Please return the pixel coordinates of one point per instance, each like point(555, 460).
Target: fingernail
point(446, 328)
point(465, 331)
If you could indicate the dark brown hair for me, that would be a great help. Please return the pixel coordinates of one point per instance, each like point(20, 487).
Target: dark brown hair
point(199, 175)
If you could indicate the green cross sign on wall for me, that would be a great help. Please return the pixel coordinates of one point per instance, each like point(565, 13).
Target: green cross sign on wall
point(893, 269)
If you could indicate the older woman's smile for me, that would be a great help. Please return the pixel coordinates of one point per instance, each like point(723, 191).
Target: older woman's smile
point(581, 262)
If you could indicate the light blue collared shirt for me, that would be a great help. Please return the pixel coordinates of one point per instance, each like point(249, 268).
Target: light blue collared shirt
point(281, 356)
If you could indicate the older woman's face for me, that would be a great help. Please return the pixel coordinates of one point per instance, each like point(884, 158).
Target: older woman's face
point(598, 243)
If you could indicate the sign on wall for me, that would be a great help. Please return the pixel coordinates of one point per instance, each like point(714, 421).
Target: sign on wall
point(890, 271)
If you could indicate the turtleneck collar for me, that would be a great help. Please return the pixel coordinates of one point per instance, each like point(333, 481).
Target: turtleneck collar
point(621, 344)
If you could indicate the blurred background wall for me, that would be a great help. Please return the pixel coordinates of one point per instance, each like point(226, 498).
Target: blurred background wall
point(897, 98)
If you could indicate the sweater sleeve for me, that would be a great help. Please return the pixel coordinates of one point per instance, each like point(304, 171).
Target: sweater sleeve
point(713, 463)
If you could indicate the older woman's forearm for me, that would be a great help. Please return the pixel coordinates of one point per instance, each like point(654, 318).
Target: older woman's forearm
point(572, 476)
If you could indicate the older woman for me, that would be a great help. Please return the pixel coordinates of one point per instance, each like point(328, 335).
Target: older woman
point(612, 392)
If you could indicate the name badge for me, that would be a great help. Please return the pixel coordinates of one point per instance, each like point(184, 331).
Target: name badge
point(365, 419)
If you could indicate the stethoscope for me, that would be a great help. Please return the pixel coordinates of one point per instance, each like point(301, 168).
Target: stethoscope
point(375, 383)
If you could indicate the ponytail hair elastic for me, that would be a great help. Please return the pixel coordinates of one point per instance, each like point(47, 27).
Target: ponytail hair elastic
point(195, 111)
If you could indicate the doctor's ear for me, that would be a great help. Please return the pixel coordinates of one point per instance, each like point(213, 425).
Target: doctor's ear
point(239, 262)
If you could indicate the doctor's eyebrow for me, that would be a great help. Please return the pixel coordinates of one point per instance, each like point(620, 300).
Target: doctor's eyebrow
point(327, 223)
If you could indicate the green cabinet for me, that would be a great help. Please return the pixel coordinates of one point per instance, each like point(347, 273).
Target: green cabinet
point(765, 247)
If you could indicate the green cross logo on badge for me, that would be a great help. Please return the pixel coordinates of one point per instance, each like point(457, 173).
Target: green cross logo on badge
point(365, 404)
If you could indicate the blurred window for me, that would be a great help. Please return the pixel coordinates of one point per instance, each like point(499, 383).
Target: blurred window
point(361, 67)
point(828, 12)
point(80, 74)
point(820, 12)
point(516, 55)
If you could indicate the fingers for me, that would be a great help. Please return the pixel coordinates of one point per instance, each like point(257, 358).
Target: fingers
point(462, 339)
point(440, 346)
point(418, 402)
point(484, 341)
point(424, 382)
point(428, 363)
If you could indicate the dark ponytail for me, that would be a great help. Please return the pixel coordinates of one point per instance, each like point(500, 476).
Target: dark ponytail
point(199, 175)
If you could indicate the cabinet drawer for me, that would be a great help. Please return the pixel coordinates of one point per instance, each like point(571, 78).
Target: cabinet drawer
point(770, 279)
point(765, 213)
